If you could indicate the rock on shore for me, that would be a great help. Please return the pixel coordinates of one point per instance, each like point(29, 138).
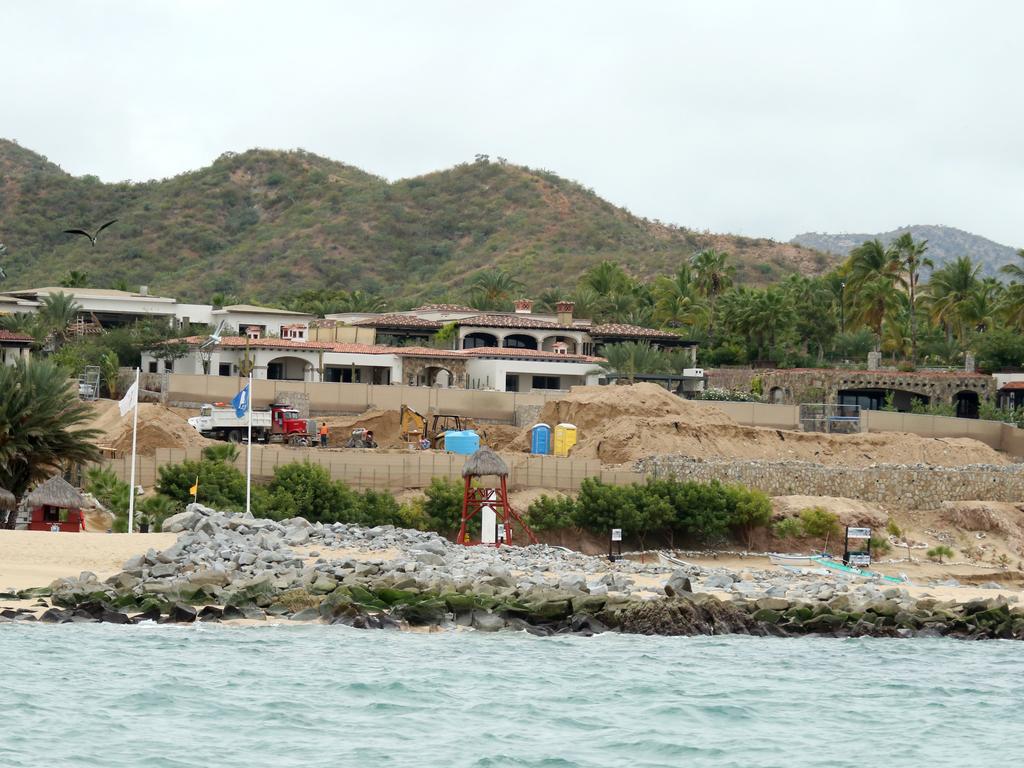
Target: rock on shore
point(232, 566)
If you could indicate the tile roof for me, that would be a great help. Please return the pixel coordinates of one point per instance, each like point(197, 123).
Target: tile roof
point(235, 342)
point(513, 321)
point(444, 308)
point(400, 321)
point(1012, 385)
point(14, 336)
point(624, 329)
point(252, 308)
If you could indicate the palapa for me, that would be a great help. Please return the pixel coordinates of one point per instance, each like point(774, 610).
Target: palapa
point(57, 492)
point(7, 500)
point(485, 462)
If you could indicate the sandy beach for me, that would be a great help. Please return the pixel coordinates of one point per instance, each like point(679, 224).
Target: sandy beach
point(36, 558)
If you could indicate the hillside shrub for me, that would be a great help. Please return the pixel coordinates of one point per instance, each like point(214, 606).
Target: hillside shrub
point(442, 505)
point(819, 523)
point(221, 486)
point(549, 513)
point(788, 528)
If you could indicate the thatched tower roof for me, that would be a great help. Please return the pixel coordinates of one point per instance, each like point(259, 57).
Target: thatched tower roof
point(484, 462)
point(7, 500)
point(57, 492)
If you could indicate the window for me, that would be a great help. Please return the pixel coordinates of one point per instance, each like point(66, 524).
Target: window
point(224, 369)
point(153, 366)
point(547, 382)
point(511, 382)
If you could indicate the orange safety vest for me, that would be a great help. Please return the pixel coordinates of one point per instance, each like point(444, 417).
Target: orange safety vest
point(323, 430)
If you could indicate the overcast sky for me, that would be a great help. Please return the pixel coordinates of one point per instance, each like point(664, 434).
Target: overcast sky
point(759, 118)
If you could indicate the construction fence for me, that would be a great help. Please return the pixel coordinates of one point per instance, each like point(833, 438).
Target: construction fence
point(394, 471)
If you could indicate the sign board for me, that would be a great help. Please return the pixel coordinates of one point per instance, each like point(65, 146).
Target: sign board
point(860, 560)
point(501, 531)
point(858, 533)
point(616, 534)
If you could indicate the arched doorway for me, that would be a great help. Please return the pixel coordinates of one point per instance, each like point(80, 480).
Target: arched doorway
point(519, 341)
point(437, 376)
point(966, 403)
point(288, 369)
point(776, 395)
point(479, 339)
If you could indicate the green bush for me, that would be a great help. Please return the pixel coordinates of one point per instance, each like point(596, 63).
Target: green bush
point(155, 509)
point(788, 528)
point(818, 522)
point(221, 486)
point(443, 505)
point(549, 513)
point(307, 490)
point(939, 552)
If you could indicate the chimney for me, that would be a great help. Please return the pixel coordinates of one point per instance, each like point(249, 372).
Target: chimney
point(524, 306)
point(564, 309)
point(143, 290)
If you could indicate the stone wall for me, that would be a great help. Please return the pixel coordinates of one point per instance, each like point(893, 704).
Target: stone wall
point(896, 485)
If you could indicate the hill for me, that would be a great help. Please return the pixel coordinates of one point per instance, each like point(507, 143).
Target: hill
point(263, 224)
point(944, 244)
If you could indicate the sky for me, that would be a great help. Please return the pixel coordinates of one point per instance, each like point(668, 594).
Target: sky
point(757, 118)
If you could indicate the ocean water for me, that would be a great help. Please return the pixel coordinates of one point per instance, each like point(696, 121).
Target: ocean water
point(209, 695)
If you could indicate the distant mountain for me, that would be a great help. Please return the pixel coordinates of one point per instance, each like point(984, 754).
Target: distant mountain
point(944, 244)
point(265, 224)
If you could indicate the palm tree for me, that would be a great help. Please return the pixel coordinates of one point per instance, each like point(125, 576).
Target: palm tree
point(911, 258)
point(982, 306)
point(358, 301)
point(75, 279)
point(56, 314)
point(41, 421)
point(494, 289)
point(948, 291)
point(607, 278)
point(869, 260)
point(875, 299)
point(1015, 271)
point(713, 276)
point(676, 303)
point(1011, 305)
point(631, 358)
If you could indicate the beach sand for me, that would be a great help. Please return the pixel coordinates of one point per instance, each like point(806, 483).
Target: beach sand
point(37, 558)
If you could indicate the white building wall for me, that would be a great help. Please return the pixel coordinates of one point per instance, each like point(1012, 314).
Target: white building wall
point(487, 373)
point(271, 321)
point(348, 359)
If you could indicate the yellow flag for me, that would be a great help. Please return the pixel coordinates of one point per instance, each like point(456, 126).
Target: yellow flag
point(194, 490)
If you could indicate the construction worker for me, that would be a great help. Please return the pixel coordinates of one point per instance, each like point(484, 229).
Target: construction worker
point(323, 434)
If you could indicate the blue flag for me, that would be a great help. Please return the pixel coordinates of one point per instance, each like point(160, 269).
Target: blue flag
point(241, 402)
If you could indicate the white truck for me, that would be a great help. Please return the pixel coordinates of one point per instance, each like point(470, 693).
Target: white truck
point(280, 422)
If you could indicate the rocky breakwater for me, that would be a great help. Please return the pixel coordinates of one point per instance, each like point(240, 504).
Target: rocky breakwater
point(237, 567)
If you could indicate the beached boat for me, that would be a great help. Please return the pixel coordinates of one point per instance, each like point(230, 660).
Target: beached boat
point(673, 562)
point(837, 567)
point(791, 560)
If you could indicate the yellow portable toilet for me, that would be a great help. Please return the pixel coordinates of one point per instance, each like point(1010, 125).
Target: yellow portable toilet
point(565, 438)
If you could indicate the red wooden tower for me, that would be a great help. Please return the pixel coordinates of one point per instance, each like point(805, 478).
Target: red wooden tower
point(486, 463)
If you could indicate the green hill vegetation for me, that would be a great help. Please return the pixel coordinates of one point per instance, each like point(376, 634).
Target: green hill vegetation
point(263, 225)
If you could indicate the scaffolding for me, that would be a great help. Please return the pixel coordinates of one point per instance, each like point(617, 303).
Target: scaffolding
point(89, 383)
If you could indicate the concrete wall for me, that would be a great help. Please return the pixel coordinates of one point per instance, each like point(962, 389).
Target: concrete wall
point(760, 414)
point(893, 485)
point(393, 470)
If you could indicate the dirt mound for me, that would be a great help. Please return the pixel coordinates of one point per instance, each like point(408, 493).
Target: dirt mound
point(621, 424)
point(498, 436)
point(988, 516)
point(159, 427)
point(385, 425)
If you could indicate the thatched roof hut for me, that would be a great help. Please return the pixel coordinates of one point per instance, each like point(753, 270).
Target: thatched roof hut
point(56, 492)
point(7, 500)
point(485, 462)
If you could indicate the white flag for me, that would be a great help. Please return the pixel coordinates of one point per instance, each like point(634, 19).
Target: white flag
point(130, 399)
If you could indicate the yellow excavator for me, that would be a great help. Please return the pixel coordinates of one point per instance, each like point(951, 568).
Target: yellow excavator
point(414, 426)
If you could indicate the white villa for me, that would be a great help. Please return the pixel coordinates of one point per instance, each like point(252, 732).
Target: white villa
point(504, 351)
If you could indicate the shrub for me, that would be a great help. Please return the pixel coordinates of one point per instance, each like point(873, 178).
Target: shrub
point(221, 486)
point(818, 522)
point(307, 490)
point(225, 452)
point(443, 505)
point(880, 545)
point(155, 509)
point(551, 512)
point(939, 552)
point(788, 528)
point(750, 510)
point(111, 492)
point(379, 508)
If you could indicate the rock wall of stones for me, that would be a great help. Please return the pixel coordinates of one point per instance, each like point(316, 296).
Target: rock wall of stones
point(900, 485)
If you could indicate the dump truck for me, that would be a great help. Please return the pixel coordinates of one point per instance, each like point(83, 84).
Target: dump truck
point(279, 423)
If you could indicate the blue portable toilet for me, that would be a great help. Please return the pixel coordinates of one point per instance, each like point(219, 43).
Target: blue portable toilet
point(540, 439)
point(465, 441)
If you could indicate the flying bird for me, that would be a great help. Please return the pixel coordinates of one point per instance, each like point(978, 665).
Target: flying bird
point(92, 238)
point(214, 338)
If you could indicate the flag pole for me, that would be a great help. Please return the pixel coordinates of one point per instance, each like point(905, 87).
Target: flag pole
point(135, 429)
point(248, 450)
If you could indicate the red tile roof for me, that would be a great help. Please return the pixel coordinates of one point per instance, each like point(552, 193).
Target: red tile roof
point(13, 336)
point(514, 321)
point(241, 341)
point(444, 308)
point(400, 321)
point(1012, 385)
point(624, 329)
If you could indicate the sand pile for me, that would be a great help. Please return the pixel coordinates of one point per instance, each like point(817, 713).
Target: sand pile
point(385, 425)
point(159, 427)
point(621, 424)
point(850, 511)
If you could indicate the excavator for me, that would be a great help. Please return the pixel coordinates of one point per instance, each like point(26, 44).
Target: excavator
point(414, 426)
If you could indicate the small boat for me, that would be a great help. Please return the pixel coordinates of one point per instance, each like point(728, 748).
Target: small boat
point(674, 562)
point(800, 560)
point(838, 567)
